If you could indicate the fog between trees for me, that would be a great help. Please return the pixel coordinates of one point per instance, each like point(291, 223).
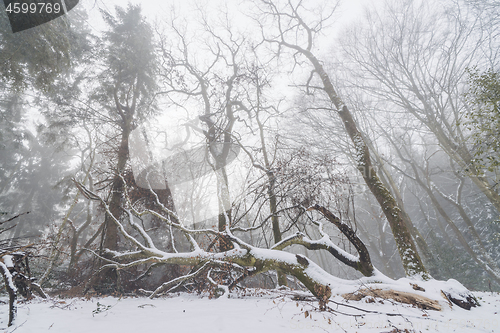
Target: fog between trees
point(198, 153)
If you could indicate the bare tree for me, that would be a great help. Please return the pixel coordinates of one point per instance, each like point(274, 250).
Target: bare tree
point(291, 31)
point(412, 69)
point(417, 63)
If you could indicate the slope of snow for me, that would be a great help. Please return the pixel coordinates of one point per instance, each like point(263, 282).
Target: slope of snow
point(249, 311)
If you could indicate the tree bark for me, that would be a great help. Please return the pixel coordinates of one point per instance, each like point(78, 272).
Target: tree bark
point(271, 178)
point(412, 263)
point(111, 232)
point(410, 258)
point(11, 289)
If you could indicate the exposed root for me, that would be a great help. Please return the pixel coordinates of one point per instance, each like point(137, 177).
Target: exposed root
point(463, 300)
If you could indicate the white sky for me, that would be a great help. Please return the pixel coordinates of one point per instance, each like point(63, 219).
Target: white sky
point(348, 10)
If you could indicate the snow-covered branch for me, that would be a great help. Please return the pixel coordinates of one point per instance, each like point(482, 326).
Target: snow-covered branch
point(361, 262)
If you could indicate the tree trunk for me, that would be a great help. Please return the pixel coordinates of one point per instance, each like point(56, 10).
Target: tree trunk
point(11, 289)
point(111, 231)
point(387, 179)
point(412, 263)
point(462, 156)
point(271, 178)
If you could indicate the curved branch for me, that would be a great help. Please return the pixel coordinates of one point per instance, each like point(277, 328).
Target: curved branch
point(362, 263)
point(364, 255)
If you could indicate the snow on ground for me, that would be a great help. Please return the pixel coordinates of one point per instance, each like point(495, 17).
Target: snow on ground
point(254, 311)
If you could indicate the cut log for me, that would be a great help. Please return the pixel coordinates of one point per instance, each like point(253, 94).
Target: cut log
point(419, 301)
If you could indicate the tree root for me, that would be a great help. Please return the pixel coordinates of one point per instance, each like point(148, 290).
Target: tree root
point(463, 300)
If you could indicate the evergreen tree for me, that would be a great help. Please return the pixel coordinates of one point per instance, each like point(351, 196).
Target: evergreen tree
point(126, 91)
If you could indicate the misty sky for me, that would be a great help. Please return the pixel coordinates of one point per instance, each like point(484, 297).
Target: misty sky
point(348, 10)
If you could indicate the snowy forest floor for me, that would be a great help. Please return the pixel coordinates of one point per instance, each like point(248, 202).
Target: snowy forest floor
point(251, 310)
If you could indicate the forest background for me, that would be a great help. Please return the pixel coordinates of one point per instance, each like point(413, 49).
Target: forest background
point(375, 144)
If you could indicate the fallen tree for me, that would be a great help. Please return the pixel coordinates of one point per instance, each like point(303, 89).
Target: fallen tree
point(241, 259)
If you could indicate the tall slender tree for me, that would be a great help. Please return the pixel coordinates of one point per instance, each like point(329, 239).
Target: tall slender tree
point(293, 32)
